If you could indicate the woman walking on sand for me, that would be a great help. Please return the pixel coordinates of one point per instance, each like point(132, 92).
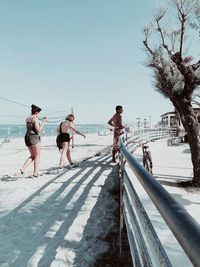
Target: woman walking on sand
point(32, 139)
point(63, 140)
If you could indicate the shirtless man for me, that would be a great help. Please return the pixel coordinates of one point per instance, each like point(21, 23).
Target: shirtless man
point(116, 122)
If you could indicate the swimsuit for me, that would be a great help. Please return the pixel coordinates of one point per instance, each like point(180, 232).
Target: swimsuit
point(32, 137)
point(116, 119)
point(62, 138)
point(117, 133)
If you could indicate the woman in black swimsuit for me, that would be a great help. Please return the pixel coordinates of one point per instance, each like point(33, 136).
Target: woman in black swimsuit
point(64, 139)
point(32, 139)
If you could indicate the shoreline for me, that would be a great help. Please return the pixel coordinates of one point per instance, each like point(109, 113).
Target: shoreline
point(18, 131)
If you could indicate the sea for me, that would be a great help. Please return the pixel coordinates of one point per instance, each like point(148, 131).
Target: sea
point(17, 131)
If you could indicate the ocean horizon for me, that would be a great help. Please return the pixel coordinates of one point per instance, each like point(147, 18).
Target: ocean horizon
point(19, 130)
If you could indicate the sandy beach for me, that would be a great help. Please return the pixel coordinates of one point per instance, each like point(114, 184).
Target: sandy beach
point(50, 220)
point(61, 219)
point(14, 153)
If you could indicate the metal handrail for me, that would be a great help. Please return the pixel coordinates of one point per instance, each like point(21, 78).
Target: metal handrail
point(143, 229)
point(182, 224)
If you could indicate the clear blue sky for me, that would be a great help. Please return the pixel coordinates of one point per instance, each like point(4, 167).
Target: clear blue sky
point(82, 54)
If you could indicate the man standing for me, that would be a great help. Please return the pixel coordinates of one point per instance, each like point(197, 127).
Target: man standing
point(116, 122)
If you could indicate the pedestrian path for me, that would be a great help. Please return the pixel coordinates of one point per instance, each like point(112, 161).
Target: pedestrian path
point(171, 164)
point(169, 161)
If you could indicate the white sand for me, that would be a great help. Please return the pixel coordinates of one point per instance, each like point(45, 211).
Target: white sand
point(58, 219)
point(50, 221)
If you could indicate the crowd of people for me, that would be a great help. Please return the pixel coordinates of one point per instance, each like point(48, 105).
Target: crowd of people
point(33, 140)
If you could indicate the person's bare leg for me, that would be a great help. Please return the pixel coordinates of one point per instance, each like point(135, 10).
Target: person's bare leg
point(114, 151)
point(63, 154)
point(69, 155)
point(28, 161)
point(37, 150)
point(113, 156)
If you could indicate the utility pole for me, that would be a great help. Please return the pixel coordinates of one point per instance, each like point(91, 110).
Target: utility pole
point(149, 121)
point(138, 123)
point(145, 123)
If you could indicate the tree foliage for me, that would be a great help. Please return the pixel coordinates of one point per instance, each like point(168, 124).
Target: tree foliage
point(176, 73)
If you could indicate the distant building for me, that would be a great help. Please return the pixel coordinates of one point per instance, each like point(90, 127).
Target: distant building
point(196, 107)
point(171, 120)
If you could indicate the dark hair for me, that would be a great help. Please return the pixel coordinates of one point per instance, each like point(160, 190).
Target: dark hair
point(35, 109)
point(118, 108)
point(69, 117)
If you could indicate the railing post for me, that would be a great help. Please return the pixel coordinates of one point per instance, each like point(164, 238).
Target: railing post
point(121, 182)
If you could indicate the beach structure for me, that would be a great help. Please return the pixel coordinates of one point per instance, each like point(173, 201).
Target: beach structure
point(171, 120)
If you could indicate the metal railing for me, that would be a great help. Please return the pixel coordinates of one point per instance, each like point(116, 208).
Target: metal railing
point(145, 246)
point(143, 135)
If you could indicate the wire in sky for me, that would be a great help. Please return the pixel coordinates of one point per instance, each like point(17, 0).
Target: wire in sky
point(24, 105)
point(60, 111)
point(28, 106)
point(11, 116)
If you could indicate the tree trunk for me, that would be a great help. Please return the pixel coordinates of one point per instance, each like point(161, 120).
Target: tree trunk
point(190, 123)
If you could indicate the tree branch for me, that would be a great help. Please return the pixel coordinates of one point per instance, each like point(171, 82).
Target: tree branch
point(196, 65)
point(182, 17)
point(145, 42)
point(159, 29)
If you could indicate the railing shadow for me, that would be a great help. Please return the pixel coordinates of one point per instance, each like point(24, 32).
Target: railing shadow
point(36, 216)
point(95, 232)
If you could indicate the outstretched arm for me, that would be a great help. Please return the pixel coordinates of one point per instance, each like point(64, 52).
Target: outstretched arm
point(76, 131)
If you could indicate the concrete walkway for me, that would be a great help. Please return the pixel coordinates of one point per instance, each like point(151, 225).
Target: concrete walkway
point(170, 165)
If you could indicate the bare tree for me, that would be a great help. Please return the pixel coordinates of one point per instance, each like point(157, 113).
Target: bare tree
point(176, 75)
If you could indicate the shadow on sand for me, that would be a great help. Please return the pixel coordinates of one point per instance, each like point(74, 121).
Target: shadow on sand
point(44, 219)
